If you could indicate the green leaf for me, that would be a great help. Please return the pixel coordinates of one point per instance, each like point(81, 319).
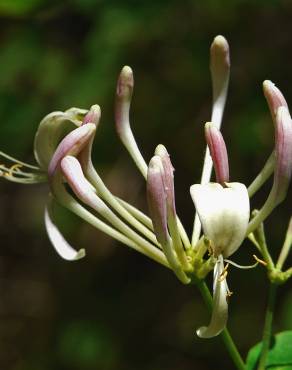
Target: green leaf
point(280, 354)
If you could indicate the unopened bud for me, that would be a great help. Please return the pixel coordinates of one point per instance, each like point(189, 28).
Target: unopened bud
point(93, 115)
point(72, 144)
point(274, 97)
point(218, 152)
point(220, 67)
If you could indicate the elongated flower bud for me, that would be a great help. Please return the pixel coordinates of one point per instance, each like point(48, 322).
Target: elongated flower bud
point(172, 221)
point(283, 153)
point(93, 115)
point(167, 177)
point(72, 171)
point(220, 69)
point(218, 152)
point(275, 100)
point(283, 167)
point(72, 144)
point(156, 196)
point(124, 93)
point(274, 97)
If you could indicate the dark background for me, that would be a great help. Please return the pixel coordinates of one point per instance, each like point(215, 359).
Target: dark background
point(116, 310)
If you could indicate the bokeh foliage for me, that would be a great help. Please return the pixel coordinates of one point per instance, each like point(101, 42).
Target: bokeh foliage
point(115, 310)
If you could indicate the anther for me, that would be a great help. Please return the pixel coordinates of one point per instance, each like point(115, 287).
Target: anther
point(223, 273)
point(12, 169)
point(262, 262)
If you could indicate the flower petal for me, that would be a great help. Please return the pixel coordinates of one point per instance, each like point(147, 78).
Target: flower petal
point(220, 305)
point(224, 214)
point(51, 130)
point(62, 247)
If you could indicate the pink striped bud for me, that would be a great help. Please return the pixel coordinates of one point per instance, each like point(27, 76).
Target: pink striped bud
point(72, 171)
point(218, 152)
point(274, 97)
point(283, 154)
point(93, 115)
point(167, 177)
point(282, 169)
point(72, 144)
point(156, 197)
point(125, 86)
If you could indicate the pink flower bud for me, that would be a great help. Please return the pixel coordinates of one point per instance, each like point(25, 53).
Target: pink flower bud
point(93, 115)
point(167, 177)
point(156, 197)
point(274, 97)
point(125, 86)
point(283, 154)
point(219, 66)
point(72, 144)
point(218, 152)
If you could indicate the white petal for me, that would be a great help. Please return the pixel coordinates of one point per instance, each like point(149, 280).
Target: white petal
point(224, 214)
point(62, 247)
point(220, 305)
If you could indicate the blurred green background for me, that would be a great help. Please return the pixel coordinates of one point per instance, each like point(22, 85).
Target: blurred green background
point(116, 310)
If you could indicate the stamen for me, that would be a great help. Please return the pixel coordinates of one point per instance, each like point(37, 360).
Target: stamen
point(262, 262)
point(228, 295)
point(244, 267)
point(12, 159)
point(14, 168)
point(209, 246)
point(224, 273)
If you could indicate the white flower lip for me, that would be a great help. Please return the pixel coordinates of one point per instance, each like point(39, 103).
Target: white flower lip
point(224, 214)
point(220, 304)
point(62, 247)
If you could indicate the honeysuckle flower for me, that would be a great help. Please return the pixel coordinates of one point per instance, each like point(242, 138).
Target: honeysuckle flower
point(63, 148)
point(223, 209)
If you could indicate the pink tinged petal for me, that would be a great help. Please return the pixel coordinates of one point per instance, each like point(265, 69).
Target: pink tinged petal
point(93, 115)
point(62, 247)
point(224, 214)
point(274, 97)
point(218, 152)
point(72, 171)
point(72, 144)
point(220, 69)
point(220, 305)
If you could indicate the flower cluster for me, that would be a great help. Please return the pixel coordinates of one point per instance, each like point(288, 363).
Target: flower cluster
point(62, 148)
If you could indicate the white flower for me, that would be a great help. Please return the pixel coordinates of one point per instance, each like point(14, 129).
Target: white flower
point(224, 215)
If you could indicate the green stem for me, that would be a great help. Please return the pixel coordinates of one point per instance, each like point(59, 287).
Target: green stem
point(268, 327)
point(225, 335)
